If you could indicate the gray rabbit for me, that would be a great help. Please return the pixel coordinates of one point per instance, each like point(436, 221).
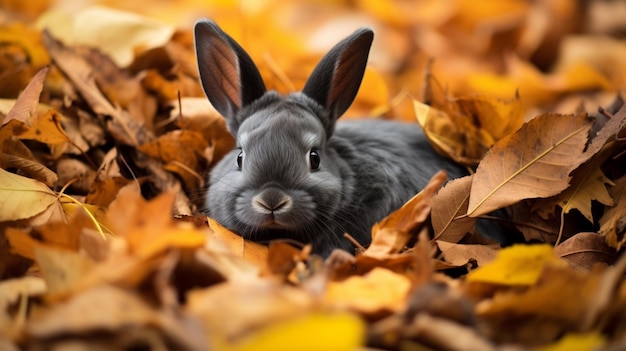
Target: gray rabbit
point(295, 173)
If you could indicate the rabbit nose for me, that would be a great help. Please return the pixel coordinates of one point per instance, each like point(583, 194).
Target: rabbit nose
point(271, 200)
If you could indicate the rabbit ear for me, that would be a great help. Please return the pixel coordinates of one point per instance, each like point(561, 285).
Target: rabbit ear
point(229, 77)
point(335, 81)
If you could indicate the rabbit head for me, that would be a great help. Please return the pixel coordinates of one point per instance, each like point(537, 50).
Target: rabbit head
point(282, 180)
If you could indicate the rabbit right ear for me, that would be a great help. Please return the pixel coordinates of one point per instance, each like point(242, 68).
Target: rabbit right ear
point(335, 81)
point(228, 76)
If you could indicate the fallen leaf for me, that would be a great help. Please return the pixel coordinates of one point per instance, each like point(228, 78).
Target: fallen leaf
point(23, 197)
point(534, 162)
point(61, 268)
point(102, 27)
point(377, 291)
point(342, 332)
point(391, 234)
point(238, 246)
point(79, 72)
point(460, 255)
point(516, 265)
point(449, 207)
point(557, 304)
point(588, 184)
point(612, 225)
point(256, 303)
point(27, 102)
point(128, 215)
point(15, 155)
point(584, 250)
point(588, 341)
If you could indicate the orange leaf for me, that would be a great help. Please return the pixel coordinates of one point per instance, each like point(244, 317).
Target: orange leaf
point(392, 233)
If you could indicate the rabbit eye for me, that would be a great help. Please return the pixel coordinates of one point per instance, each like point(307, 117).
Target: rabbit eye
point(314, 160)
point(239, 159)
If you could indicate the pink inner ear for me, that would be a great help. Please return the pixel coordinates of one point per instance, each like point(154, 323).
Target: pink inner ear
point(226, 69)
point(346, 79)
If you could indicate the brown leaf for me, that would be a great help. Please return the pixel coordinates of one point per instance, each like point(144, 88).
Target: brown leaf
point(556, 303)
point(16, 155)
point(449, 204)
point(199, 115)
point(185, 164)
point(26, 104)
point(584, 250)
point(80, 73)
point(45, 127)
point(460, 255)
point(587, 185)
point(534, 162)
point(612, 223)
point(80, 174)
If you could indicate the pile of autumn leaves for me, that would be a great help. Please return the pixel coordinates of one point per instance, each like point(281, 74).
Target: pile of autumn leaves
point(91, 263)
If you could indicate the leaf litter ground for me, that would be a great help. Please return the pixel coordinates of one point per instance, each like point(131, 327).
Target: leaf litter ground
point(103, 139)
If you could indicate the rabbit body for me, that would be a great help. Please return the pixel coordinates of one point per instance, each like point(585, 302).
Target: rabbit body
point(294, 173)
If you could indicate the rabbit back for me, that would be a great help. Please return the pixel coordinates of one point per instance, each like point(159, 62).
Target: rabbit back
point(390, 162)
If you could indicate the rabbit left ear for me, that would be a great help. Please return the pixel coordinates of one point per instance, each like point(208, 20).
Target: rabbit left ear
point(335, 81)
point(229, 77)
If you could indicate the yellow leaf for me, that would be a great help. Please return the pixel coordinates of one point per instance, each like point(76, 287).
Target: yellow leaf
point(103, 27)
point(590, 341)
point(516, 265)
point(454, 137)
point(23, 197)
point(317, 331)
point(378, 290)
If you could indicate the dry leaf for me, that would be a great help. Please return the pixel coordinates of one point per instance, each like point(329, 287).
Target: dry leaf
point(342, 332)
point(246, 249)
point(584, 250)
point(128, 215)
point(612, 224)
point(516, 265)
point(391, 234)
point(534, 162)
point(16, 155)
point(23, 197)
point(449, 208)
point(103, 27)
point(556, 304)
point(28, 101)
point(377, 291)
point(460, 255)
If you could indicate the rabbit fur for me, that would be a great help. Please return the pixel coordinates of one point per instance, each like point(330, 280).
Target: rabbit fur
point(295, 173)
